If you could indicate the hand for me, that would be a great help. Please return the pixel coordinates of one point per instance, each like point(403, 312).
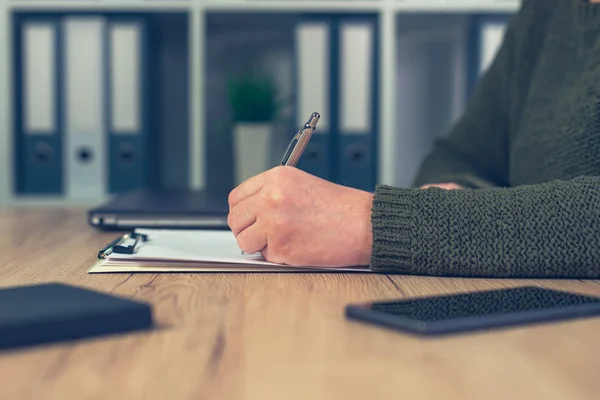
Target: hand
point(446, 186)
point(294, 218)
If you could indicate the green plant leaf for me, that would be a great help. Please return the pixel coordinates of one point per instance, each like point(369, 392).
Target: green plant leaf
point(253, 98)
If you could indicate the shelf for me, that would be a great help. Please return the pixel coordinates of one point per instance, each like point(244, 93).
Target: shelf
point(277, 5)
point(291, 5)
point(457, 5)
point(359, 5)
point(100, 4)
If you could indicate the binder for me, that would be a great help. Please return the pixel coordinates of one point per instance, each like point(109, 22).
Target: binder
point(37, 123)
point(314, 88)
point(357, 105)
point(126, 110)
point(337, 73)
point(84, 120)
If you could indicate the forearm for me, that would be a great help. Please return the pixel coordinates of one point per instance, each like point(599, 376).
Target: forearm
point(546, 230)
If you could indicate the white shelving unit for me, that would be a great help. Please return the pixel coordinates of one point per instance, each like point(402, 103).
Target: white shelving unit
point(387, 9)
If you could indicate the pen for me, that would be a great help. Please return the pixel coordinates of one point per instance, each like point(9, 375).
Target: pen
point(298, 143)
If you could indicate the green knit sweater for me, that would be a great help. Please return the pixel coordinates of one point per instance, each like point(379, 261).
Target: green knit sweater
point(527, 149)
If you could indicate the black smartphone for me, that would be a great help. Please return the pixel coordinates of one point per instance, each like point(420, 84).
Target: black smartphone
point(471, 311)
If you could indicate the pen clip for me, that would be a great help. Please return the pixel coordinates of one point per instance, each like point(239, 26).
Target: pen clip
point(290, 148)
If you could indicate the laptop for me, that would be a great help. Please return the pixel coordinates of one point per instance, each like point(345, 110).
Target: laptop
point(168, 209)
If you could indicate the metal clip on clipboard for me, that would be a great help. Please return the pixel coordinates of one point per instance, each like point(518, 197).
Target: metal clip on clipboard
point(125, 244)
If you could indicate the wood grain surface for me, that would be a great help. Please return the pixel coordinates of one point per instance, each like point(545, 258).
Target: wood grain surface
point(275, 336)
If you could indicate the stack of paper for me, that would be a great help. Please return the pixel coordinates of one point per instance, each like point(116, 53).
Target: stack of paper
point(195, 251)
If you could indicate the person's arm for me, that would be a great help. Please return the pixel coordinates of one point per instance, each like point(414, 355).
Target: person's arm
point(549, 230)
point(545, 230)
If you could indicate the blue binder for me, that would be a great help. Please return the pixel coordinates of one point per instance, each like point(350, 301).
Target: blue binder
point(343, 148)
point(126, 110)
point(314, 68)
point(37, 105)
point(357, 99)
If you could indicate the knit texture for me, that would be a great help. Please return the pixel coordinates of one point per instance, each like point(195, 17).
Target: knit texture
point(527, 150)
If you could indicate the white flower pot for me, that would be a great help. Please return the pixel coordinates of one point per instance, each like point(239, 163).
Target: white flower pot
point(251, 149)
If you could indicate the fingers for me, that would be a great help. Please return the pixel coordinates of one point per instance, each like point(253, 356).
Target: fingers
point(446, 186)
point(243, 215)
point(268, 256)
point(252, 239)
point(246, 189)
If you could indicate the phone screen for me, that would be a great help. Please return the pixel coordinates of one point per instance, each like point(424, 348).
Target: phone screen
point(474, 310)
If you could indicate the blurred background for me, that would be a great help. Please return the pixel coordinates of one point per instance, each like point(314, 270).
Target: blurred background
point(99, 97)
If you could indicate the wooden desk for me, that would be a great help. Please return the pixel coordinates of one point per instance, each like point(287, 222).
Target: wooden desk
point(275, 336)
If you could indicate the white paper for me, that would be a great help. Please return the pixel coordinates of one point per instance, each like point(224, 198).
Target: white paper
point(195, 251)
point(216, 246)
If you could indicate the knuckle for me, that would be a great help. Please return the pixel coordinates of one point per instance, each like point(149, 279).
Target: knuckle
point(278, 196)
point(280, 173)
point(279, 223)
point(231, 220)
point(279, 170)
point(231, 197)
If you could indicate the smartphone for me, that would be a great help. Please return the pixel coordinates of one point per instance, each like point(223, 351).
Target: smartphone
point(464, 312)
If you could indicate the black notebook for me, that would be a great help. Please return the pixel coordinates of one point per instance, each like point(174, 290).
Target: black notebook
point(54, 312)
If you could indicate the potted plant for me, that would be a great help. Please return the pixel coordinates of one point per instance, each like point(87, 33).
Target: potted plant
point(254, 106)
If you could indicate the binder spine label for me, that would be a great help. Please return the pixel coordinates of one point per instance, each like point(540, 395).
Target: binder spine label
point(314, 82)
point(356, 64)
point(312, 41)
point(37, 96)
point(126, 109)
point(39, 83)
point(125, 78)
point(358, 103)
point(85, 137)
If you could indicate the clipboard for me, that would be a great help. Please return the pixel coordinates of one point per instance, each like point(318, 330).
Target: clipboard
point(173, 250)
point(125, 244)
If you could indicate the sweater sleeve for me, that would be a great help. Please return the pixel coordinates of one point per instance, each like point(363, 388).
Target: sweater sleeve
point(548, 230)
point(474, 153)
